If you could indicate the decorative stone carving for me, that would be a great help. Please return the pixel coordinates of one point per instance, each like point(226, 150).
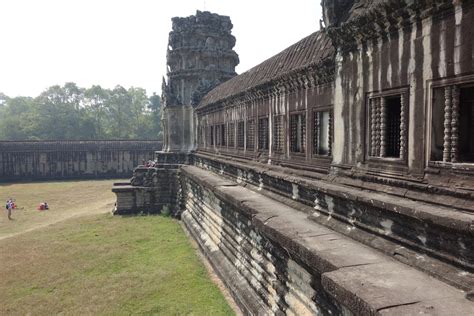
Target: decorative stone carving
point(373, 127)
point(455, 125)
point(403, 126)
point(383, 127)
point(447, 124)
point(200, 56)
point(377, 127)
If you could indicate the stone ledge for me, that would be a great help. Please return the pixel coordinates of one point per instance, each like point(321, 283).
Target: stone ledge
point(334, 256)
point(415, 224)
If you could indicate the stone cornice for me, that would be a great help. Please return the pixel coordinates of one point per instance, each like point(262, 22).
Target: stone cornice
point(298, 79)
point(383, 20)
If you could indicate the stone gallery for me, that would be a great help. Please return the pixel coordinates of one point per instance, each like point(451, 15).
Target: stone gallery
point(336, 177)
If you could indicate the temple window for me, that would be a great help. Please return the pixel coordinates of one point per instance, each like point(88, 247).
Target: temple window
point(388, 126)
point(452, 130)
point(263, 133)
point(231, 135)
point(240, 134)
point(250, 134)
point(298, 133)
point(322, 133)
point(218, 135)
point(211, 135)
point(223, 135)
point(278, 136)
point(202, 135)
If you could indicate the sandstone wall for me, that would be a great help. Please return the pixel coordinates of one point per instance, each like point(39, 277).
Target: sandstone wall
point(72, 159)
point(296, 243)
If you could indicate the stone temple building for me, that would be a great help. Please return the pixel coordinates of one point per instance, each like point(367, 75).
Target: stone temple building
point(336, 177)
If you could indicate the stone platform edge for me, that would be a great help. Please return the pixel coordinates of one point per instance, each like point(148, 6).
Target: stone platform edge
point(374, 284)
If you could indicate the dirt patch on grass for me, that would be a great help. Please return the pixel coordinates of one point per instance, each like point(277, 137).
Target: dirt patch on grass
point(66, 199)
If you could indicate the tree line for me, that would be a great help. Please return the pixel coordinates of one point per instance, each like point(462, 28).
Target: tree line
point(70, 112)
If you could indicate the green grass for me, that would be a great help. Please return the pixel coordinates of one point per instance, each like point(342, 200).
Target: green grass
point(106, 265)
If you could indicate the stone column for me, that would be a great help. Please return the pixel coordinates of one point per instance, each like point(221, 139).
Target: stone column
point(447, 124)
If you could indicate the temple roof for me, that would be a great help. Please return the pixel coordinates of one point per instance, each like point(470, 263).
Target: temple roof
point(309, 51)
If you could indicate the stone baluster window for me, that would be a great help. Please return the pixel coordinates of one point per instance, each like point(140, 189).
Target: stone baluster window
point(240, 134)
point(298, 133)
point(263, 136)
point(278, 133)
point(388, 126)
point(452, 130)
point(231, 135)
point(322, 133)
point(250, 134)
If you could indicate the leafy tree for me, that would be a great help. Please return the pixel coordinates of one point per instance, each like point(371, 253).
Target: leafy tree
point(119, 113)
point(16, 118)
point(95, 101)
point(155, 108)
point(71, 112)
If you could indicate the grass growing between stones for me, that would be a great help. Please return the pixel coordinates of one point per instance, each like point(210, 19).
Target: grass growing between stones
point(101, 264)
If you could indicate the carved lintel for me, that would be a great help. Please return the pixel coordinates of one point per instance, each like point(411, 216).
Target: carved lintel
point(383, 127)
point(455, 125)
point(447, 123)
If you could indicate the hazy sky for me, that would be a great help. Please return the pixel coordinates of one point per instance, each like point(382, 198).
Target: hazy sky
point(110, 42)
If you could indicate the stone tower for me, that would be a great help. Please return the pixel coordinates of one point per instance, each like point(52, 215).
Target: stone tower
point(200, 56)
point(335, 11)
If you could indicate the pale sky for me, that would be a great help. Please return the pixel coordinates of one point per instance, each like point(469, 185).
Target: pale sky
point(110, 42)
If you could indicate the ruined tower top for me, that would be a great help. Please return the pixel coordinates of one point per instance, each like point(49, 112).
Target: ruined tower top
point(335, 11)
point(200, 56)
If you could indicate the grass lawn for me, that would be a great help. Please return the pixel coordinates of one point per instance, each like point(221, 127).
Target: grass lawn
point(65, 199)
point(101, 264)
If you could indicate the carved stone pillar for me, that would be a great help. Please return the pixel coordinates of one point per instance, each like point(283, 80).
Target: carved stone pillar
point(403, 126)
point(455, 125)
point(316, 135)
point(330, 132)
point(383, 127)
point(447, 124)
point(373, 127)
point(377, 127)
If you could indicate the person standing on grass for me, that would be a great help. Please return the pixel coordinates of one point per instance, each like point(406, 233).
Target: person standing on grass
point(9, 208)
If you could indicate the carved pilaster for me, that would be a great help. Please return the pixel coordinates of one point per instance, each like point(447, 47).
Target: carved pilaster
point(447, 124)
point(383, 127)
point(317, 131)
point(403, 126)
point(330, 133)
point(377, 127)
point(373, 127)
point(455, 125)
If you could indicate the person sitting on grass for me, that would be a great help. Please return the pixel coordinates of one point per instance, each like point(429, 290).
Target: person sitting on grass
point(43, 206)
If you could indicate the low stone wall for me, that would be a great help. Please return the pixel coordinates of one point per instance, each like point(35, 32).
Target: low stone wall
point(72, 159)
point(275, 260)
point(298, 244)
